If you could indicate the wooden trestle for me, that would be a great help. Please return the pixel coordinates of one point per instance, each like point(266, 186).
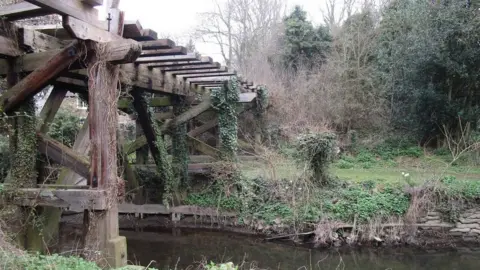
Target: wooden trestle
point(85, 55)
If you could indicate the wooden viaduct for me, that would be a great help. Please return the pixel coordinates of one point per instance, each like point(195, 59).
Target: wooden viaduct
point(100, 60)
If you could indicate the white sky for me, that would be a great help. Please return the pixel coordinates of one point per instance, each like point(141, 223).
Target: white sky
point(176, 18)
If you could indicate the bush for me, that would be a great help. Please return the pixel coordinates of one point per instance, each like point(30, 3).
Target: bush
point(317, 150)
point(343, 164)
point(65, 127)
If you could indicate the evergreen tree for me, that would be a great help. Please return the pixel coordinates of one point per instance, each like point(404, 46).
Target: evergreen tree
point(304, 45)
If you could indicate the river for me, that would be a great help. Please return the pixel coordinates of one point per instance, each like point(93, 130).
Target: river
point(170, 250)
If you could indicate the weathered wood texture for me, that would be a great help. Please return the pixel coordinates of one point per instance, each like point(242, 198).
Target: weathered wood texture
point(22, 10)
point(34, 82)
point(146, 123)
point(50, 109)
point(63, 155)
point(74, 200)
point(74, 8)
point(8, 47)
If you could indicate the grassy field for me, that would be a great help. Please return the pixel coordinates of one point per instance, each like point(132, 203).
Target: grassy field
point(371, 167)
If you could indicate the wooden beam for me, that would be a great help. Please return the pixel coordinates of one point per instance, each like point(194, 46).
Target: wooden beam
point(146, 123)
point(73, 199)
point(35, 81)
point(73, 8)
point(178, 50)
point(188, 115)
point(50, 108)
point(183, 118)
point(86, 31)
point(22, 10)
point(38, 41)
point(207, 75)
point(157, 44)
point(203, 128)
point(203, 147)
point(197, 71)
point(93, 3)
point(63, 155)
point(123, 51)
point(173, 58)
point(201, 66)
point(9, 47)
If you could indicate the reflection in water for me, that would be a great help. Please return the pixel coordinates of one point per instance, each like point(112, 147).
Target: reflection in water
point(183, 250)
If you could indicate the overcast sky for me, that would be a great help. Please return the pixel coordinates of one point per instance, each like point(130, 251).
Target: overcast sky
point(178, 17)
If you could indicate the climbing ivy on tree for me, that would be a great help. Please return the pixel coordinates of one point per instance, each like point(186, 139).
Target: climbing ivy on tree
point(261, 109)
point(180, 148)
point(23, 146)
point(224, 101)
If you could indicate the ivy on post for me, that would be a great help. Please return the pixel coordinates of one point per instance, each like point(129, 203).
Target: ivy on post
point(23, 150)
point(224, 101)
point(260, 111)
point(180, 153)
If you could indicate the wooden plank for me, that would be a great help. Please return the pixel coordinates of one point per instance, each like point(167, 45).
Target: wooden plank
point(38, 41)
point(9, 47)
point(93, 3)
point(203, 128)
point(178, 50)
point(132, 29)
point(85, 31)
point(177, 64)
point(203, 147)
point(152, 209)
point(188, 115)
point(35, 81)
point(156, 44)
point(173, 58)
point(207, 75)
point(22, 10)
point(50, 108)
point(174, 69)
point(63, 155)
point(194, 71)
point(54, 30)
point(73, 8)
point(146, 35)
point(74, 199)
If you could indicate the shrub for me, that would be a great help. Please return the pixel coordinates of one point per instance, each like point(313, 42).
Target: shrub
point(65, 127)
point(317, 150)
point(343, 164)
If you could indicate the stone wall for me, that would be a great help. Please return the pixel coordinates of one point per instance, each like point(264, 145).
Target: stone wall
point(467, 226)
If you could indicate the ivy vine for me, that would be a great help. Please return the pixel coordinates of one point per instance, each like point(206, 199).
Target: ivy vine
point(261, 109)
point(23, 146)
point(164, 167)
point(224, 101)
point(180, 153)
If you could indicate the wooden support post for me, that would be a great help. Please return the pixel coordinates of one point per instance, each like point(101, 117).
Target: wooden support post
point(102, 231)
point(22, 174)
point(146, 123)
point(141, 156)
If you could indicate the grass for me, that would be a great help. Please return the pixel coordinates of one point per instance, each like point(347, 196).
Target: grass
point(368, 185)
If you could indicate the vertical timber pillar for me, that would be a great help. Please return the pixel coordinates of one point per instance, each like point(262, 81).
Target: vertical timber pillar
point(102, 233)
point(23, 150)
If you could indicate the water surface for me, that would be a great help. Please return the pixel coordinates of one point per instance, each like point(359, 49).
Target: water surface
point(183, 249)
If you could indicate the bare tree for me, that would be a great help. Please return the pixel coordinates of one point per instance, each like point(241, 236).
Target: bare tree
point(240, 27)
point(336, 12)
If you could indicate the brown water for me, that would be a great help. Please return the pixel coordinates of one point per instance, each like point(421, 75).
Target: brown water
point(183, 249)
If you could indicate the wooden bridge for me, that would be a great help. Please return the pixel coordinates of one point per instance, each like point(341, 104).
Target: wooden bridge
point(102, 60)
